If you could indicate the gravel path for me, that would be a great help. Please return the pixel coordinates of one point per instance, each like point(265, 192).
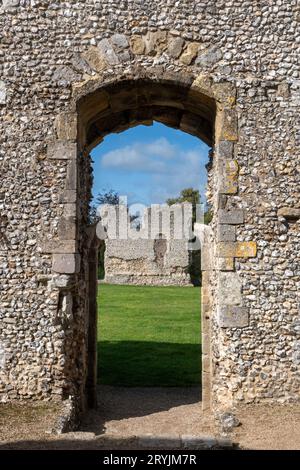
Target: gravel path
point(135, 411)
point(126, 416)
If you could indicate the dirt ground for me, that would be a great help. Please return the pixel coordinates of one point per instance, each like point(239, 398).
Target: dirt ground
point(268, 427)
point(125, 413)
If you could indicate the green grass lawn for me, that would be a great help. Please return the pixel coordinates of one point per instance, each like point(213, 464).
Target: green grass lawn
point(149, 336)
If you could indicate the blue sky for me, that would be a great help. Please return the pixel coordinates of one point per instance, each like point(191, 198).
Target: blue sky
point(150, 164)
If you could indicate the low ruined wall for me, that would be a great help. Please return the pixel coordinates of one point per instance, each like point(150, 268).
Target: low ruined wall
point(147, 262)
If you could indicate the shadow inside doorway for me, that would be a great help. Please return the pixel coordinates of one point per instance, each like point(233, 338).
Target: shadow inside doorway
point(149, 364)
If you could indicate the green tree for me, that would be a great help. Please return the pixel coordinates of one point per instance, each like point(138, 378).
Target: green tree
point(187, 195)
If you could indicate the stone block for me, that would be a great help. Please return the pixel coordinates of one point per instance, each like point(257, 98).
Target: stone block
point(66, 263)
point(229, 289)
point(225, 264)
point(71, 179)
point(67, 228)
point(80, 64)
point(198, 442)
point(232, 316)
point(175, 47)
point(225, 93)
point(57, 246)
point(206, 259)
point(137, 44)
point(119, 42)
point(66, 126)
point(227, 126)
point(221, 201)
point(64, 281)
point(153, 441)
point(289, 213)
point(209, 57)
point(2, 92)
point(155, 42)
point(190, 53)
point(62, 150)
point(65, 76)
point(237, 249)
point(108, 52)
point(228, 171)
point(226, 233)
point(70, 210)
point(231, 217)
point(224, 150)
point(10, 3)
point(95, 58)
point(68, 196)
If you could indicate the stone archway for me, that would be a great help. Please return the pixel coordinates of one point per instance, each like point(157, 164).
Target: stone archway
point(195, 105)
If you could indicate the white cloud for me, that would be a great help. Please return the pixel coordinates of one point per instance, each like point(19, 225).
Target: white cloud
point(149, 157)
point(170, 168)
point(159, 156)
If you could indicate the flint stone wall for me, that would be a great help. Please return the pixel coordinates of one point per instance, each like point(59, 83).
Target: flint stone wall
point(72, 72)
point(137, 262)
point(153, 254)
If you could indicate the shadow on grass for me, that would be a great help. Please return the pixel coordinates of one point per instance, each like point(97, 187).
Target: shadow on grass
point(149, 364)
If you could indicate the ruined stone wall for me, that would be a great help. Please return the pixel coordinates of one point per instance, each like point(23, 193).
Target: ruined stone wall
point(242, 54)
point(160, 258)
point(138, 262)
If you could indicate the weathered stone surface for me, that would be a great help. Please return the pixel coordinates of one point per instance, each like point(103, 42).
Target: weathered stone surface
point(71, 179)
point(137, 45)
point(228, 421)
point(175, 47)
point(230, 316)
point(65, 75)
point(66, 263)
point(198, 442)
point(237, 249)
point(10, 3)
point(66, 229)
point(224, 150)
point(68, 196)
point(119, 42)
point(228, 126)
point(226, 264)
point(209, 57)
point(58, 246)
point(108, 52)
point(150, 261)
point(155, 42)
point(70, 209)
point(206, 258)
point(190, 53)
point(225, 93)
point(2, 92)
point(229, 289)
point(62, 150)
point(66, 126)
point(228, 176)
point(167, 441)
point(95, 58)
point(65, 281)
point(81, 65)
point(226, 233)
point(231, 217)
point(289, 212)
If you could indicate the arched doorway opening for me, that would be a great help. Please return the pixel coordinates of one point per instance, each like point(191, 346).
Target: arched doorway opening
point(115, 108)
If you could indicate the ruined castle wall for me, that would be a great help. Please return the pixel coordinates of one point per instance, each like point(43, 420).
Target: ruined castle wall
point(140, 262)
point(49, 53)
